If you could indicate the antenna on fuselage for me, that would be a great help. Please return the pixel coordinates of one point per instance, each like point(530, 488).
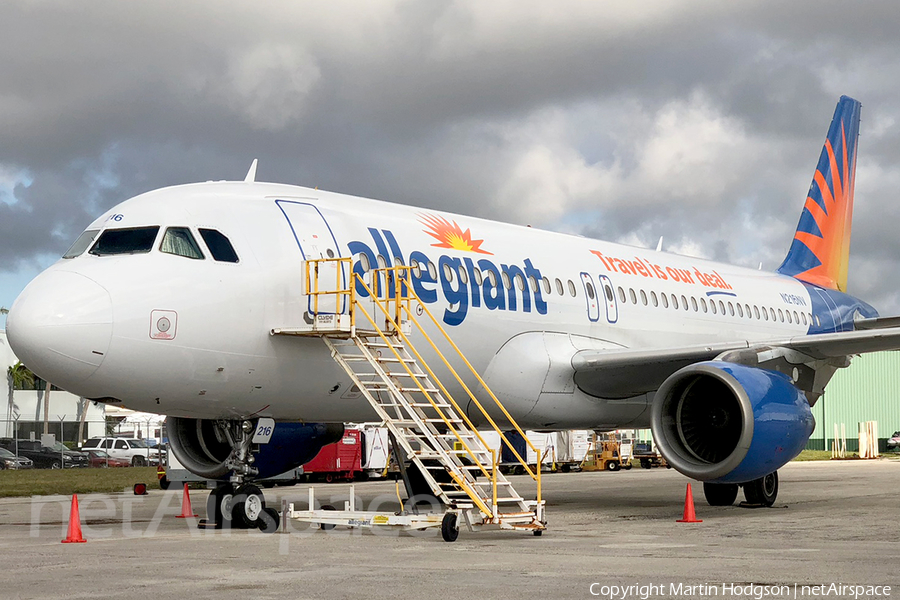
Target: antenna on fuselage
point(251, 174)
point(659, 244)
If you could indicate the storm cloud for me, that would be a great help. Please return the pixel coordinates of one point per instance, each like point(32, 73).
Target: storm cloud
point(700, 122)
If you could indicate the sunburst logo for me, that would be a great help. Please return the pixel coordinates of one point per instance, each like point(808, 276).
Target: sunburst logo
point(451, 235)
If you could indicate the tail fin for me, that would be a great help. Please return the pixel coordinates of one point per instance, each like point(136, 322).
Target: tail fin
point(820, 252)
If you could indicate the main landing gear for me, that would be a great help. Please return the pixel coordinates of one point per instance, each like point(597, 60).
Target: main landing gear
point(759, 492)
point(240, 504)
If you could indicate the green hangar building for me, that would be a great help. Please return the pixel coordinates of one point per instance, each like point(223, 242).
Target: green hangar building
point(867, 390)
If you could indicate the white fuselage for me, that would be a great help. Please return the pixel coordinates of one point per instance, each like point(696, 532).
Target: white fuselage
point(89, 323)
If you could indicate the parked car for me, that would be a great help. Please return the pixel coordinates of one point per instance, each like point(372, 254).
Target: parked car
point(8, 460)
point(134, 450)
point(53, 457)
point(100, 458)
point(894, 442)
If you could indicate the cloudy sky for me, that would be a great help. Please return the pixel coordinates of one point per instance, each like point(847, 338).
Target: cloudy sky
point(698, 121)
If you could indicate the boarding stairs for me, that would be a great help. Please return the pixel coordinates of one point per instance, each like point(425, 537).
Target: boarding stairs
point(372, 342)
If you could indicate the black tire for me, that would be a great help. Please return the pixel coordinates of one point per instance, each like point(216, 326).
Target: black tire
point(268, 520)
point(138, 461)
point(612, 465)
point(627, 466)
point(449, 527)
point(164, 483)
point(538, 532)
point(219, 506)
point(327, 526)
point(762, 491)
point(249, 503)
point(720, 494)
point(646, 464)
point(55, 465)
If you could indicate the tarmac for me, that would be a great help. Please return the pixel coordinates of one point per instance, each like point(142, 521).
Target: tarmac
point(610, 535)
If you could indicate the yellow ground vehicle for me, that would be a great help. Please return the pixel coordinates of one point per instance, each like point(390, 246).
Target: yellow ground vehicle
point(607, 454)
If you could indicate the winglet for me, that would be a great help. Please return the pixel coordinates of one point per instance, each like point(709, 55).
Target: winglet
point(251, 174)
point(820, 251)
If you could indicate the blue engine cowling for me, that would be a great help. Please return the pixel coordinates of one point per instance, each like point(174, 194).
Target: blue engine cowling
point(723, 422)
point(200, 445)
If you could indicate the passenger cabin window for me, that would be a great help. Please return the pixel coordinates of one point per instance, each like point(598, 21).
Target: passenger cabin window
point(133, 240)
point(180, 242)
point(82, 243)
point(219, 245)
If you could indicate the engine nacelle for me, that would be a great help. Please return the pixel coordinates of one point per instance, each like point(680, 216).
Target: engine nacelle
point(200, 445)
point(729, 423)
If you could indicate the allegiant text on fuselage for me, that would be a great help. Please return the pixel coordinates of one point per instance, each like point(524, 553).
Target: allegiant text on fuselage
point(461, 296)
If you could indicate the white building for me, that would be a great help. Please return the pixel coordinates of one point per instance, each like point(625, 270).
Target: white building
point(23, 409)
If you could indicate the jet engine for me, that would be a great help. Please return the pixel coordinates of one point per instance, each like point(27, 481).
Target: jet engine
point(722, 422)
point(203, 447)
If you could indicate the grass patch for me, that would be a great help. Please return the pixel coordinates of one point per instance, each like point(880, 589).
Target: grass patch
point(42, 482)
point(808, 455)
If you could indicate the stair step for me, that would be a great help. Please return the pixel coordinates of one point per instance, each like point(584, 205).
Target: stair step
point(397, 346)
point(405, 374)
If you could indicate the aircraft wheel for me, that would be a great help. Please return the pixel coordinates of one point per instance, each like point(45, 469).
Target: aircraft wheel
point(268, 520)
point(248, 504)
point(219, 506)
point(449, 527)
point(763, 490)
point(720, 494)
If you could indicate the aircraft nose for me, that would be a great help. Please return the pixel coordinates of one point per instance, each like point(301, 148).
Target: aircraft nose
point(60, 326)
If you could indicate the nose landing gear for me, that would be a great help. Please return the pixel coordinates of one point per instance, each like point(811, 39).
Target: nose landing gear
point(239, 504)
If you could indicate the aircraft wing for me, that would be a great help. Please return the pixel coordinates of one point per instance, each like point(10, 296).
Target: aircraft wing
point(622, 374)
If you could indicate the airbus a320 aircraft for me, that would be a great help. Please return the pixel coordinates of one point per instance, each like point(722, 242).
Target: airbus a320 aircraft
point(167, 304)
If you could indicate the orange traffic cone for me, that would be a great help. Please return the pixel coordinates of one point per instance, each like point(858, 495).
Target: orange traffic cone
point(689, 516)
point(186, 511)
point(73, 536)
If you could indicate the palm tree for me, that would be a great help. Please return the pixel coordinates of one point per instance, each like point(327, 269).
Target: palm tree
point(18, 377)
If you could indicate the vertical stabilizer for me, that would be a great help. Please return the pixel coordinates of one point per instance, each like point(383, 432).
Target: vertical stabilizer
point(820, 252)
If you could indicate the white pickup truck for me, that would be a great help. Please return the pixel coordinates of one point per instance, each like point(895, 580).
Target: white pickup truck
point(132, 449)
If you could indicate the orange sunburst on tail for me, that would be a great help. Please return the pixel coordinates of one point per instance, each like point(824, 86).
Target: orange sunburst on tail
point(820, 252)
point(451, 235)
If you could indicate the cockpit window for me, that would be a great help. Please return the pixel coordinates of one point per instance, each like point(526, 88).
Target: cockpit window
point(134, 240)
point(81, 244)
point(219, 246)
point(179, 241)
